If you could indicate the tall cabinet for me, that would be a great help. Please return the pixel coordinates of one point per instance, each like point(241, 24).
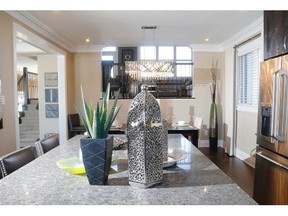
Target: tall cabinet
point(275, 33)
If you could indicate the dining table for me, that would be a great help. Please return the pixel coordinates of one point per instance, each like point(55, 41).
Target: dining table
point(188, 179)
point(187, 130)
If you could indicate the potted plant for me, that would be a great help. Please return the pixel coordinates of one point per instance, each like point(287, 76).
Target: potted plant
point(97, 147)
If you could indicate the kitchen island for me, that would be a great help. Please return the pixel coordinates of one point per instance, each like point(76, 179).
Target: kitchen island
point(192, 181)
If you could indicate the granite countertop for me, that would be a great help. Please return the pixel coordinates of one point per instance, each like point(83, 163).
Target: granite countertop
point(193, 181)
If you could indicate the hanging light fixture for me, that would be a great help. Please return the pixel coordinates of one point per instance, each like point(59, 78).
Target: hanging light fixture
point(149, 69)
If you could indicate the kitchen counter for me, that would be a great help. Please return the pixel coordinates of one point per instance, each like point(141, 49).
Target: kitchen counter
point(193, 181)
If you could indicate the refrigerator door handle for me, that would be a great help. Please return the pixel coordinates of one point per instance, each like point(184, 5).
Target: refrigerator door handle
point(276, 116)
point(274, 130)
point(272, 161)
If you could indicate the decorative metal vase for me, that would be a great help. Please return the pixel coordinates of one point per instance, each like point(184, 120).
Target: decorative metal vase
point(213, 129)
point(145, 141)
point(165, 139)
point(97, 156)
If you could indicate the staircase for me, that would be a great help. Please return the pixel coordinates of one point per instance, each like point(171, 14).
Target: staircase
point(29, 129)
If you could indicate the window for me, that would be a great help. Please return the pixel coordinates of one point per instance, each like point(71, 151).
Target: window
point(183, 53)
point(109, 54)
point(183, 58)
point(148, 53)
point(107, 57)
point(178, 53)
point(166, 53)
point(248, 75)
point(175, 84)
point(109, 49)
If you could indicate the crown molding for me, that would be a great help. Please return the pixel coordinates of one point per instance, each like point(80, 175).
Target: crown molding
point(41, 28)
point(206, 48)
point(88, 48)
point(253, 29)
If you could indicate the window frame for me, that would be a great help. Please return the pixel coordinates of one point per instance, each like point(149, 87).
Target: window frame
point(244, 50)
point(175, 60)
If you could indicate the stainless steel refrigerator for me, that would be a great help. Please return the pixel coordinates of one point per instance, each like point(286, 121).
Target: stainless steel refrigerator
point(271, 168)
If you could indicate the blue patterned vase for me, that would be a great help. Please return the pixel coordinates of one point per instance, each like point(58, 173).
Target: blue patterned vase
point(97, 156)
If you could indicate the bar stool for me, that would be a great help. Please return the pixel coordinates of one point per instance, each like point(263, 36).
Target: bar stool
point(15, 160)
point(44, 145)
point(1, 172)
point(74, 125)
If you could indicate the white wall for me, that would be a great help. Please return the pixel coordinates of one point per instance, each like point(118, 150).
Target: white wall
point(251, 30)
point(46, 63)
point(228, 100)
point(246, 131)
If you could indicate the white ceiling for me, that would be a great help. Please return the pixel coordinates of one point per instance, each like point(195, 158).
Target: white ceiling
point(123, 28)
point(27, 56)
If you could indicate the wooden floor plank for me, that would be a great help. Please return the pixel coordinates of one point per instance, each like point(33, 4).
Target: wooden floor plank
point(240, 172)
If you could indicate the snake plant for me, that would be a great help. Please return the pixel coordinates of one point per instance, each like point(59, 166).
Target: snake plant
point(97, 119)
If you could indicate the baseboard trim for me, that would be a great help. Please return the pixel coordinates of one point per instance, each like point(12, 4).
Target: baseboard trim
point(241, 155)
point(205, 143)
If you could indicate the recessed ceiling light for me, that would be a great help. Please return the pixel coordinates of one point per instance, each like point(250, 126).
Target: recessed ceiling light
point(87, 40)
point(206, 39)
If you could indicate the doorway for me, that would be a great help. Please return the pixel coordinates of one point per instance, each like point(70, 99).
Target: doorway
point(47, 124)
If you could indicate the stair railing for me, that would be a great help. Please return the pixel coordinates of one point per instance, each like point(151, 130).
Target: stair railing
point(28, 87)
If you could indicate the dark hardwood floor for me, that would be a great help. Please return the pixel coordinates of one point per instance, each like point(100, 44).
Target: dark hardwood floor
point(240, 172)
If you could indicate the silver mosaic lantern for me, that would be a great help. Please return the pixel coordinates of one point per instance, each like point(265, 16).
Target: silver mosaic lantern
point(165, 139)
point(145, 141)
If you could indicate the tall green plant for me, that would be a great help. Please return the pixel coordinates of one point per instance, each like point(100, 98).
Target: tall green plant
point(214, 80)
point(97, 120)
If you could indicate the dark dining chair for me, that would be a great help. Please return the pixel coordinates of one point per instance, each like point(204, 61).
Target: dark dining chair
point(1, 173)
point(74, 125)
point(47, 144)
point(15, 160)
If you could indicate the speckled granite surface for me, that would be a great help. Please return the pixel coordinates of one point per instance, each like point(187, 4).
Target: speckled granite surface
point(193, 181)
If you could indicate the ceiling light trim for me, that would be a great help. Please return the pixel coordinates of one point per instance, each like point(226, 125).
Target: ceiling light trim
point(41, 28)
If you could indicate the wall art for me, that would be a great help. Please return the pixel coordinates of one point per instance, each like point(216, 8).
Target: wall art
point(51, 95)
point(51, 79)
point(51, 110)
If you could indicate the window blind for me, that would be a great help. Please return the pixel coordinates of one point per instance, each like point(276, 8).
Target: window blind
point(248, 77)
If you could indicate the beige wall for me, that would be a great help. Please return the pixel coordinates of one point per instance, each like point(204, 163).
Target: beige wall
point(70, 82)
point(203, 64)
point(7, 134)
point(87, 74)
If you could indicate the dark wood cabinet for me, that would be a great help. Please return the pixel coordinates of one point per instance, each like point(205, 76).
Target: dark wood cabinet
point(275, 33)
